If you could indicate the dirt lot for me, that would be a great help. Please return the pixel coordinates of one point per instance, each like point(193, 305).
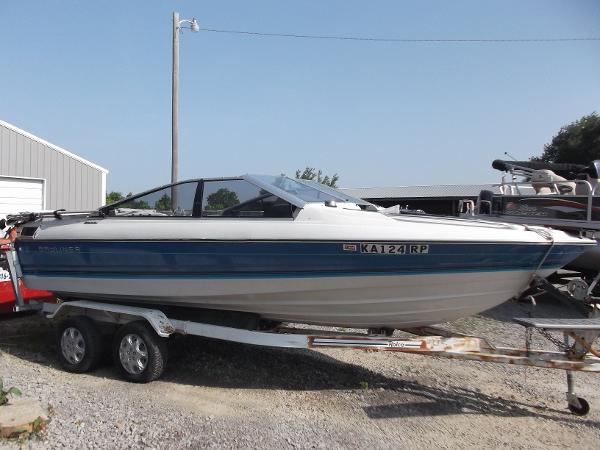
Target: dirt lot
point(218, 394)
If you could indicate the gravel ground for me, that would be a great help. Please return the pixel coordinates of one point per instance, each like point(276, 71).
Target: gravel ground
point(218, 394)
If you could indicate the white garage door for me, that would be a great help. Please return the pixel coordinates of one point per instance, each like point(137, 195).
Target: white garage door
point(20, 194)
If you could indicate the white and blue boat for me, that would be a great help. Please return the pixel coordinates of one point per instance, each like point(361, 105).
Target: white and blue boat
point(287, 250)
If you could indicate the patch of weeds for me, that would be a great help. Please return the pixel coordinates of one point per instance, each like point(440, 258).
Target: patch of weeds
point(38, 426)
point(5, 393)
point(364, 385)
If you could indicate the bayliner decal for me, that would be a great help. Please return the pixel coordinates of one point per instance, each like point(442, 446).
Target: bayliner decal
point(62, 249)
point(394, 249)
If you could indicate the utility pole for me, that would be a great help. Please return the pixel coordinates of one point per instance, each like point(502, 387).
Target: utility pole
point(175, 101)
point(175, 104)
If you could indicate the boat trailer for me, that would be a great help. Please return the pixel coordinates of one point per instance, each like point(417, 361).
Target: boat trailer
point(140, 349)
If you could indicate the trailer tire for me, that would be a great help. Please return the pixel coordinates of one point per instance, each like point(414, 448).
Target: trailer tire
point(139, 353)
point(580, 410)
point(79, 344)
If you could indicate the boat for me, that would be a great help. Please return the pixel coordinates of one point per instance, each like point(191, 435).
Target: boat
point(286, 250)
point(557, 195)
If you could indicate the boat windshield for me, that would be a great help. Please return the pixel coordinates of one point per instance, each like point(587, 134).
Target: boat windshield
point(337, 195)
point(307, 191)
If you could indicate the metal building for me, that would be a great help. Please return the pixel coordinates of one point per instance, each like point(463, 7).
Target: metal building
point(36, 175)
point(433, 199)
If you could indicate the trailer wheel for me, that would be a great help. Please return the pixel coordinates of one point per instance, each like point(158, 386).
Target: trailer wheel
point(139, 353)
point(581, 409)
point(79, 344)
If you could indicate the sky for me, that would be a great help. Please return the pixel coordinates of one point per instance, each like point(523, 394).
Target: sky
point(94, 77)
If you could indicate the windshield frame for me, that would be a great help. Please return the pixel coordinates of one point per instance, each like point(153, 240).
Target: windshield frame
point(340, 196)
point(322, 193)
point(258, 181)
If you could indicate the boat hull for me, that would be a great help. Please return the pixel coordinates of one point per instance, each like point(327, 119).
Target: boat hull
point(340, 283)
point(588, 261)
point(396, 301)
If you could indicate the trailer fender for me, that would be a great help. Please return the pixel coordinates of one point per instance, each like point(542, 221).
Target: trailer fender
point(119, 314)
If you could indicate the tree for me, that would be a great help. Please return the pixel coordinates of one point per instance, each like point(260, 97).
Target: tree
point(577, 143)
point(223, 198)
point(163, 203)
point(310, 173)
point(136, 204)
point(113, 197)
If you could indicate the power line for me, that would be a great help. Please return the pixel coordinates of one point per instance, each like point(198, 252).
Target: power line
point(400, 40)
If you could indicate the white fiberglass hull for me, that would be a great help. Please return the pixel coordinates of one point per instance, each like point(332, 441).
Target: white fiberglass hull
point(396, 301)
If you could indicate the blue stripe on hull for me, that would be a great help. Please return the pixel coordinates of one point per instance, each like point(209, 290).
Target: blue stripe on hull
point(257, 258)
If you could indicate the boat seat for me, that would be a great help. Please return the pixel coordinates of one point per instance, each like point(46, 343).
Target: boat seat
point(591, 174)
point(546, 182)
point(582, 189)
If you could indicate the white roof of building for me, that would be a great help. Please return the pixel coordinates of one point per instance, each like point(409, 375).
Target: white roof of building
point(422, 191)
point(52, 146)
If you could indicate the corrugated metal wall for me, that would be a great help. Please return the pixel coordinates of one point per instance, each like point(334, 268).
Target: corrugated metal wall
point(70, 184)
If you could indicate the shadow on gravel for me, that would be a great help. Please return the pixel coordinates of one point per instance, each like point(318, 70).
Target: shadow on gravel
point(201, 362)
point(546, 307)
point(457, 400)
point(28, 336)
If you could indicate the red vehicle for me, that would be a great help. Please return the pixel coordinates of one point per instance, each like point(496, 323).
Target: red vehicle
point(7, 295)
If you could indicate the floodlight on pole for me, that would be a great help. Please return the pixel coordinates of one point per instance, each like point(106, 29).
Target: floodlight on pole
point(177, 26)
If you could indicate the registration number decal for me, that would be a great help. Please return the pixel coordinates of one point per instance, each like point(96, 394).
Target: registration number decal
point(394, 249)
